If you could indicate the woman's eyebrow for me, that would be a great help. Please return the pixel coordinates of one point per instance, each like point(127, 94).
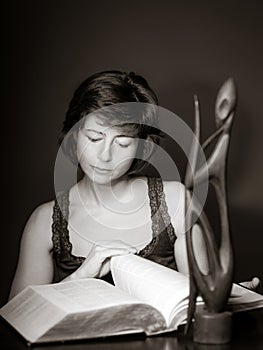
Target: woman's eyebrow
point(125, 135)
point(120, 135)
point(96, 131)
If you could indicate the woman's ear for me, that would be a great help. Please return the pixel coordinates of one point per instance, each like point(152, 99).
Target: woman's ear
point(69, 146)
point(75, 135)
point(149, 147)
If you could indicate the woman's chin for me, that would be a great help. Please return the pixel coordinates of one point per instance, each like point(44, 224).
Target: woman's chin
point(102, 179)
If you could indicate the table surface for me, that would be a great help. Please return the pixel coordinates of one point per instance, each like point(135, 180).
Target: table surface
point(247, 334)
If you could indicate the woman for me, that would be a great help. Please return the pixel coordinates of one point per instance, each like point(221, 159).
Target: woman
point(110, 211)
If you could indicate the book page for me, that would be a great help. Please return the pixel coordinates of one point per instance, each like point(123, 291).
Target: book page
point(115, 320)
point(154, 284)
point(31, 314)
point(39, 308)
point(84, 295)
point(242, 299)
point(167, 290)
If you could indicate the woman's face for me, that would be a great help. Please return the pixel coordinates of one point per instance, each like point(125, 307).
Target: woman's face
point(105, 153)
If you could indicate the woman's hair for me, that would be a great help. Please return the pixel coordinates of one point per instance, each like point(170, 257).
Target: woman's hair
point(114, 92)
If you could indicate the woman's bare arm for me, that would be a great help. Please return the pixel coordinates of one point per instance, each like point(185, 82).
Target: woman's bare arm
point(175, 199)
point(35, 264)
point(35, 261)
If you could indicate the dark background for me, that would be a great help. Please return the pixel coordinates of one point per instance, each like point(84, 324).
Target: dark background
point(182, 48)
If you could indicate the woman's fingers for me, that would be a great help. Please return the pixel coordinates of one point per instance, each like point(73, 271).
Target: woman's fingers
point(253, 284)
point(105, 254)
point(109, 252)
point(97, 263)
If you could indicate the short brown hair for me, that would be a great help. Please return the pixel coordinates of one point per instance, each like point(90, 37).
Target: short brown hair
point(113, 88)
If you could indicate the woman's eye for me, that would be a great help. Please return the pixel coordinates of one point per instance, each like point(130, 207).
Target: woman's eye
point(123, 143)
point(94, 139)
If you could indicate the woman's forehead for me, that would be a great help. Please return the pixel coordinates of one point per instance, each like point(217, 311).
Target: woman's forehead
point(97, 122)
point(94, 121)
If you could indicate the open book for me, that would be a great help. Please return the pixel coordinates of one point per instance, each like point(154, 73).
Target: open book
point(147, 297)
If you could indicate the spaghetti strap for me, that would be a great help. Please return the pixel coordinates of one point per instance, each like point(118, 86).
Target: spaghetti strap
point(60, 232)
point(159, 212)
point(164, 211)
point(161, 222)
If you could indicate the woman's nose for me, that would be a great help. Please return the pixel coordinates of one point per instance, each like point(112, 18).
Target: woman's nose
point(105, 153)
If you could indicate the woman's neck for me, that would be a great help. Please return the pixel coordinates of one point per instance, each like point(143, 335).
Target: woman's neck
point(118, 197)
point(101, 194)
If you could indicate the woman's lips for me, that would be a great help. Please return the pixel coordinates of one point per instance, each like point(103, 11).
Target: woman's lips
point(101, 170)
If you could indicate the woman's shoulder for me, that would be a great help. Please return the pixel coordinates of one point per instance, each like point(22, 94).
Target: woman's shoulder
point(41, 216)
point(174, 192)
point(176, 187)
point(38, 228)
point(172, 189)
point(43, 209)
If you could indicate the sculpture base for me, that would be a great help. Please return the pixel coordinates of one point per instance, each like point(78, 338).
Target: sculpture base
point(212, 328)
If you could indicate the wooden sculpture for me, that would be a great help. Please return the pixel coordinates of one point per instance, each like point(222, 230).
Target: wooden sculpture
point(213, 323)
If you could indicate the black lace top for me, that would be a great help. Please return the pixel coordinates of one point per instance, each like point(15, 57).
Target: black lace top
point(160, 249)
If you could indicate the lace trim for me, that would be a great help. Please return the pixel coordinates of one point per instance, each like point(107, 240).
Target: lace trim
point(60, 230)
point(157, 203)
point(60, 236)
point(164, 212)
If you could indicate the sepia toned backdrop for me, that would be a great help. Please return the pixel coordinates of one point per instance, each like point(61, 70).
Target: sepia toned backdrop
point(182, 48)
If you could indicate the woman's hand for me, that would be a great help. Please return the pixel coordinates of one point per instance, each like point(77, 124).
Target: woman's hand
point(97, 263)
point(253, 284)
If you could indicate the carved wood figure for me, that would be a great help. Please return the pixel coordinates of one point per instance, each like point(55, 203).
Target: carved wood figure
point(212, 324)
